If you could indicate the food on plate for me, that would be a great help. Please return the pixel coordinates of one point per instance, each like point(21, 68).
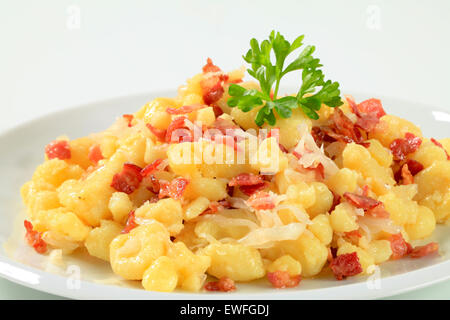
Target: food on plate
point(230, 181)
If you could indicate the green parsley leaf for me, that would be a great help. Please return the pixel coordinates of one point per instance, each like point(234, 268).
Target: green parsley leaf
point(314, 90)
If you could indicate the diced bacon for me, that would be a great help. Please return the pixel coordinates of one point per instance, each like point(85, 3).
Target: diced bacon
point(160, 134)
point(371, 207)
point(128, 179)
point(422, 251)
point(437, 143)
point(378, 212)
point(131, 223)
point(34, 238)
point(353, 236)
point(151, 168)
point(212, 88)
point(399, 246)
point(261, 201)
point(178, 132)
point(184, 109)
point(59, 149)
point(224, 284)
point(174, 189)
point(249, 190)
point(95, 154)
point(246, 179)
point(346, 265)
point(210, 67)
point(129, 118)
point(217, 110)
point(282, 279)
point(414, 166)
point(368, 113)
point(152, 184)
point(248, 183)
point(402, 147)
point(345, 128)
point(372, 106)
point(360, 201)
point(341, 129)
point(407, 177)
point(318, 135)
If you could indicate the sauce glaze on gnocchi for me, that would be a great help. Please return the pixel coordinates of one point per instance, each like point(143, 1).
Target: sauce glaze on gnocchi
point(335, 195)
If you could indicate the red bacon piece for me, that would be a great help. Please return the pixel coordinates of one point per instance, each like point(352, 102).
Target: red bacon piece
point(422, 251)
point(224, 284)
point(160, 134)
point(402, 147)
point(261, 201)
point(152, 184)
point(184, 109)
point(360, 201)
point(399, 246)
point(282, 279)
point(95, 154)
point(248, 183)
point(341, 129)
point(34, 238)
point(217, 110)
point(346, 265)
point(131, 223)
point(210, 67)
point(59, 149)
point(246, 179)
point(129, 118)
point(177, 131)
point(128, 179)
point(437, 143)
point(212, 88)
point(318, 135)
point(378, 212)
point(372, 106)
point(353, 236)
point(371, 207)
point(368, 113)
point(249, 190)
point(414, 166)
point(151, 168)
point(174, 189)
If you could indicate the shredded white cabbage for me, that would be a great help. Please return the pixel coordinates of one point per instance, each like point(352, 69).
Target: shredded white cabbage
point(311, 154)
point(300, 214)
point(265, 237)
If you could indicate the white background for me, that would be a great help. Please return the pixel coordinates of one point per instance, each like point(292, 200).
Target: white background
point(58, 54)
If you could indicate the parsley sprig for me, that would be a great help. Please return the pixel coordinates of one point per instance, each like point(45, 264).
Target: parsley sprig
point(314, 90)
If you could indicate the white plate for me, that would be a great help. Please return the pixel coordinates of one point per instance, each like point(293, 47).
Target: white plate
point(22, 150)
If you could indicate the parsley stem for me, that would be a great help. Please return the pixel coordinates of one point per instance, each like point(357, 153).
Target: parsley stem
point(275, 94)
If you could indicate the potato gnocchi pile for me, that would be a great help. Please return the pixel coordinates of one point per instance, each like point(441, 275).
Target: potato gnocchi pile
point(335, 196)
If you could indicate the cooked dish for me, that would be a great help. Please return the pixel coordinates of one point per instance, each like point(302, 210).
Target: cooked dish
point(230, 181)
